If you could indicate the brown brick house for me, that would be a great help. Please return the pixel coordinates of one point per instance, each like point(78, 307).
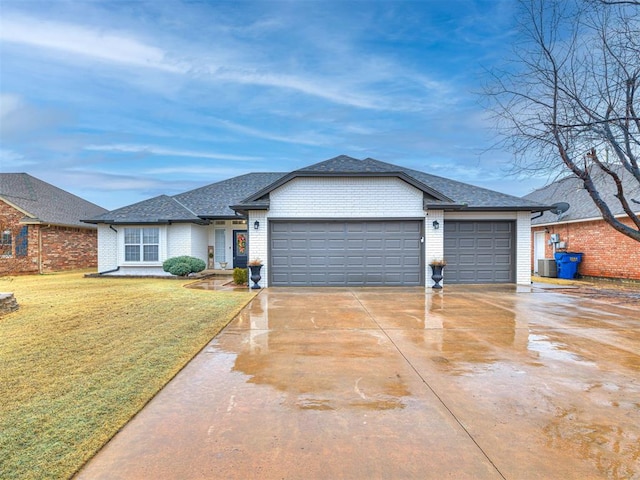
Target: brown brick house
point(41, 227)
point(607, 253)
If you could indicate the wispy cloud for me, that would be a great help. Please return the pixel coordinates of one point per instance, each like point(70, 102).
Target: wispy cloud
point(308, 138)
point(195, 170)
point(157, 150)
point(126, 49)
point(70, 38)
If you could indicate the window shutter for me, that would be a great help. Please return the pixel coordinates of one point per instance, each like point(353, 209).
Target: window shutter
point(22, 242)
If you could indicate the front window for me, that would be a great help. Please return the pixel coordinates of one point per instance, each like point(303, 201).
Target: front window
point(6, 247)
point(141, 244)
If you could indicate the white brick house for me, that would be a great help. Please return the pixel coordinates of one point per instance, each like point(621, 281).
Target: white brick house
point(342, 222)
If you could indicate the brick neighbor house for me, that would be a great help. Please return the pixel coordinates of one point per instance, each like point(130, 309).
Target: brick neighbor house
point(41, 227)
point(607, 253)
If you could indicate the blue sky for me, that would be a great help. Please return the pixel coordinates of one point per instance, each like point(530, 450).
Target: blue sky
point(121, 101)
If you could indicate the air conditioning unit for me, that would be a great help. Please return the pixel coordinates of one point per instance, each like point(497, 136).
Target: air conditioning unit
point(547, 268)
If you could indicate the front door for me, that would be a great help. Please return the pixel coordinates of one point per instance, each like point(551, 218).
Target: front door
point(239, 249)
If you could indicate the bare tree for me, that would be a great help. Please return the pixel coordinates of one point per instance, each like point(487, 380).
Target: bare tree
point(570, 98)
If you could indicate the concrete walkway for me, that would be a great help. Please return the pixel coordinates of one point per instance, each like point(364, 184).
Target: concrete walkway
point(395, 383)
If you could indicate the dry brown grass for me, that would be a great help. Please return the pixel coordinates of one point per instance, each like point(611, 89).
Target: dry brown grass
point(82, 355)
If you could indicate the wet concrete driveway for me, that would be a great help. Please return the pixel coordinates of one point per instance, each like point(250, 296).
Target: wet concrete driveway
point(395, 383)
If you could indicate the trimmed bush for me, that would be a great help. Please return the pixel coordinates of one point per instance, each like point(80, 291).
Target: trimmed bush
point(240, 276)
point(183, 266)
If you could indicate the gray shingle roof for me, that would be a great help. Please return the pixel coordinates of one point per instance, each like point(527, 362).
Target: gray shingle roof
point(251, 191)
point(581, 207)
point(214, 200)
point(210, 201)
point(463, 193)
point(45, 203)
point(160, 209)
point(447, 193)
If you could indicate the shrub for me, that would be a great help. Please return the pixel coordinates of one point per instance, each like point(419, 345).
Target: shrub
point(183, 266)
point(240, 276)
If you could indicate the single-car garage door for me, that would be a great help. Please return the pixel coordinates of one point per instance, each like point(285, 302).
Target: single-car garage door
point(479, 252)
point(346, 253)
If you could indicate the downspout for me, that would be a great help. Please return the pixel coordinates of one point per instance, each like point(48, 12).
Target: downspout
point(118, 267)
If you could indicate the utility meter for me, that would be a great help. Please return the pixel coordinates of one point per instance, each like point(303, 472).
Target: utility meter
point(555, 237)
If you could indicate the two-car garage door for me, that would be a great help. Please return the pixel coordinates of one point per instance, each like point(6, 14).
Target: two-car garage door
point(346, 253)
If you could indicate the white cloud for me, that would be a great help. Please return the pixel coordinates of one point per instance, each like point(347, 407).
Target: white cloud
point(307, 86)
point(195, 170)
point(232, 64)
point(9, 103)
point(156, 150)
point(101, 45)
point(312, 139)
point(10, 160)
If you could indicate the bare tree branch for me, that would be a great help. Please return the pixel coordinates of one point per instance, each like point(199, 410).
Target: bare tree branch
point(570, 95)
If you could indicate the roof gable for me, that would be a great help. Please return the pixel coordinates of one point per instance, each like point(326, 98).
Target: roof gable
point(440, 193)
point(42, 202)
point(341, 166)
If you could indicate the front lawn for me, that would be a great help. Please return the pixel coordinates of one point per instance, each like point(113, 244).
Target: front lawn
point(82, 355)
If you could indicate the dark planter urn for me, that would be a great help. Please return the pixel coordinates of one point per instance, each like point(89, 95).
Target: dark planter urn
point(437, 275)
point(255, 275)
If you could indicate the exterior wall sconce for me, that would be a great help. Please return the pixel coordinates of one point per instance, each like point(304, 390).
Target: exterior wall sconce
point(436, 225)
point(256, 225)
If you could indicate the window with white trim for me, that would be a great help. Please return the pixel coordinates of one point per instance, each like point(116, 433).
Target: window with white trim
point(141, 244)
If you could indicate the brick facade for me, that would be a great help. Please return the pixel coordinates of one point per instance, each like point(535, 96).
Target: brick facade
point(51, 248)
point(607, 252)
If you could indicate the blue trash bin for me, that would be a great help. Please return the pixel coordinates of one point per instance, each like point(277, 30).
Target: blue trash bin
point(568, 264)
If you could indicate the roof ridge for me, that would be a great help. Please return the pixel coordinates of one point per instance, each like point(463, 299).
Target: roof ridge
point(183, 206)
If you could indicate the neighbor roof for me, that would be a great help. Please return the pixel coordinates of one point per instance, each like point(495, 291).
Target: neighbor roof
point(44, 203)
point(581, 207)
point(251, 191)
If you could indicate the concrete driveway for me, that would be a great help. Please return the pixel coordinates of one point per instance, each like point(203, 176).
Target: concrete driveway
point(474, 382)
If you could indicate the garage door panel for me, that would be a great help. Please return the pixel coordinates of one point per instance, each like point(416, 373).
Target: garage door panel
point(346, 253)
point(314, 244)
point(295, 243)
point(466, 227)
point(479, 252)
point(409, 260)
point(411, 244)
point(392, 244)
point(354, 261)
point(482, 259)
point(334, 244)
point(502, 259)
point(466, 243)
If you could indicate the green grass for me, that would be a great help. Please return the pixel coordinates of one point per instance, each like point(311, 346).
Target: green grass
point(83, 355)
